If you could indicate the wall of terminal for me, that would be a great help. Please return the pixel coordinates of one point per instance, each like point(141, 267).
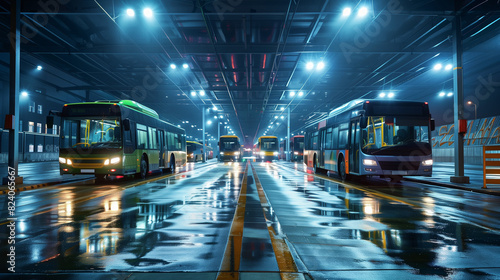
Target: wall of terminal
point(480, 132)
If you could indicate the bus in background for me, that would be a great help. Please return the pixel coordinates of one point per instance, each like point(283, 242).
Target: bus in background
point(267, 148)
point(209, 152)
point(229, 148)
point(117, 138)
point(296, 148)
point(386, 138)
point(194, 151)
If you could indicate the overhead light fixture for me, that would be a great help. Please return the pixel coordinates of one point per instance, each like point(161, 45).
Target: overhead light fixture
point(448, 67)
point(185, 66)
point(282, 108)
point(24, 93)
point(275, 117)
point(282, 117)
point(450, 94)
point(209, 122)
point(301, 93)
point(130, 12)
point(363, 11)
point(441, 94)
point(202, 93)
point(193, 93)
point(173, 66)
point(381, 95)
point(346, 12)
point(292, 93)
point(438, 66)
point(320, 65)
point(309, 65)
point(39, 67)
point(147, 12)
point(390, 95)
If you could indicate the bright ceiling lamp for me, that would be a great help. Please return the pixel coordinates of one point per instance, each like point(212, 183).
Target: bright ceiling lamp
point(130, 12)
point(363, 11)
point(346, 12)
point(309, 65)
point(320, 65)
point(147, 12)
point(438, 66)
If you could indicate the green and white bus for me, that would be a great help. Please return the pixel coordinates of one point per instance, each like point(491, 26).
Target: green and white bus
point(118, 138)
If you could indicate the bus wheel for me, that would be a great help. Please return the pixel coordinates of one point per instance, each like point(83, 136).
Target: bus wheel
point(342, 173)
point(172, 164)
point(144, 168)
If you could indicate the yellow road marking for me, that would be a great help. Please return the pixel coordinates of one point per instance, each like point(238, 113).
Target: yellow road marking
point(230, 266)
point(286, 264)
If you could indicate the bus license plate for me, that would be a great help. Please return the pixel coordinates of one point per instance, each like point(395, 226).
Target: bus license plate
point(87, 170)
point(399, 172)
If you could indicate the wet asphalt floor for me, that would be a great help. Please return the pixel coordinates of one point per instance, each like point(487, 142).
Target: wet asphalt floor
point(261, 221)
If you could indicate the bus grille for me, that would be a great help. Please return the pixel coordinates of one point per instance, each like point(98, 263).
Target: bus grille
point(398, 165)
point(88, 163)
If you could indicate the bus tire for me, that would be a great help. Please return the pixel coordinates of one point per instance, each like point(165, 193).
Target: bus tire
point(172, 164)
point(144, 168)
point(342, 173)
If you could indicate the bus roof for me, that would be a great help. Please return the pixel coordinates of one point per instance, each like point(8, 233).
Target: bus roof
point(194, 142)
point(229, 136)
point(127, 103)
point(268, 137)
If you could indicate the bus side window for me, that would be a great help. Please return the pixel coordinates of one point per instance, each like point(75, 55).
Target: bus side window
point(335, 138)
point(142, 137)
point(343, 138)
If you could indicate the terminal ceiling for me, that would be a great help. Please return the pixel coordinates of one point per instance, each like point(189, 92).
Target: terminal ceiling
point(248, 56)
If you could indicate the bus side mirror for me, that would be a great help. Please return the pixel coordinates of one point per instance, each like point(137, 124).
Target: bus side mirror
point(126, 124)
point(363, 122)
point(433, 124)
point(50, 121)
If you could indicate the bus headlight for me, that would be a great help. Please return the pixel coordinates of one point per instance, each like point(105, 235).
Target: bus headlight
point(106, 162)
point(221, 153)
point(296, 153)
point(262, 153)
point(191, 155)
point(369, 162)
point(236, 153)
point(427, 162)
point(62, 160)
point(115, 160)
point(275, 153)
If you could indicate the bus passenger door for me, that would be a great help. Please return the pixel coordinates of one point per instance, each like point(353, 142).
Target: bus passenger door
point(321, 155)
point(354, 147)
point(161, 142)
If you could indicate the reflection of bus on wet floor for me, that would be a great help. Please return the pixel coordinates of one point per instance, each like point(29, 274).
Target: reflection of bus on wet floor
point(209, 152)
point(229, 148)
point(267, 148)
point(387, 138)
point(194, 151)
point(117, 138)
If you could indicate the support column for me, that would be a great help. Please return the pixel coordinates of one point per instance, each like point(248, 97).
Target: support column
point(288, 155)
point(15, 53)
point(204, 147)
point(458, 101)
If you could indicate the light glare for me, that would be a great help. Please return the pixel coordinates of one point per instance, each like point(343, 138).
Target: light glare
point(39, 67)
point(185, 65)
point(438, 66)
point(130, 12)
point(450, 94)
point(346, 12)
point(147, 12)
point(390, 95)
point(320, 65)
point(173, 66)
point(381, 95)
point(292, 93)
point(448, 67)
point(309, 65)
point(441, 94)
point(301, 93)
point(202, 93)
point(363, 11)
point(193, 93)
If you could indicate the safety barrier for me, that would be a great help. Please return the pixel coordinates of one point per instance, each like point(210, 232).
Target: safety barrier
point(491, 165)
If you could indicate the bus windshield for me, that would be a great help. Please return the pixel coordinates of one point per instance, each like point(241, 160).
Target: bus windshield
point(390, 135)
point(91, 133)
point(269, 144)
point(298, 144)
point(229, 144)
